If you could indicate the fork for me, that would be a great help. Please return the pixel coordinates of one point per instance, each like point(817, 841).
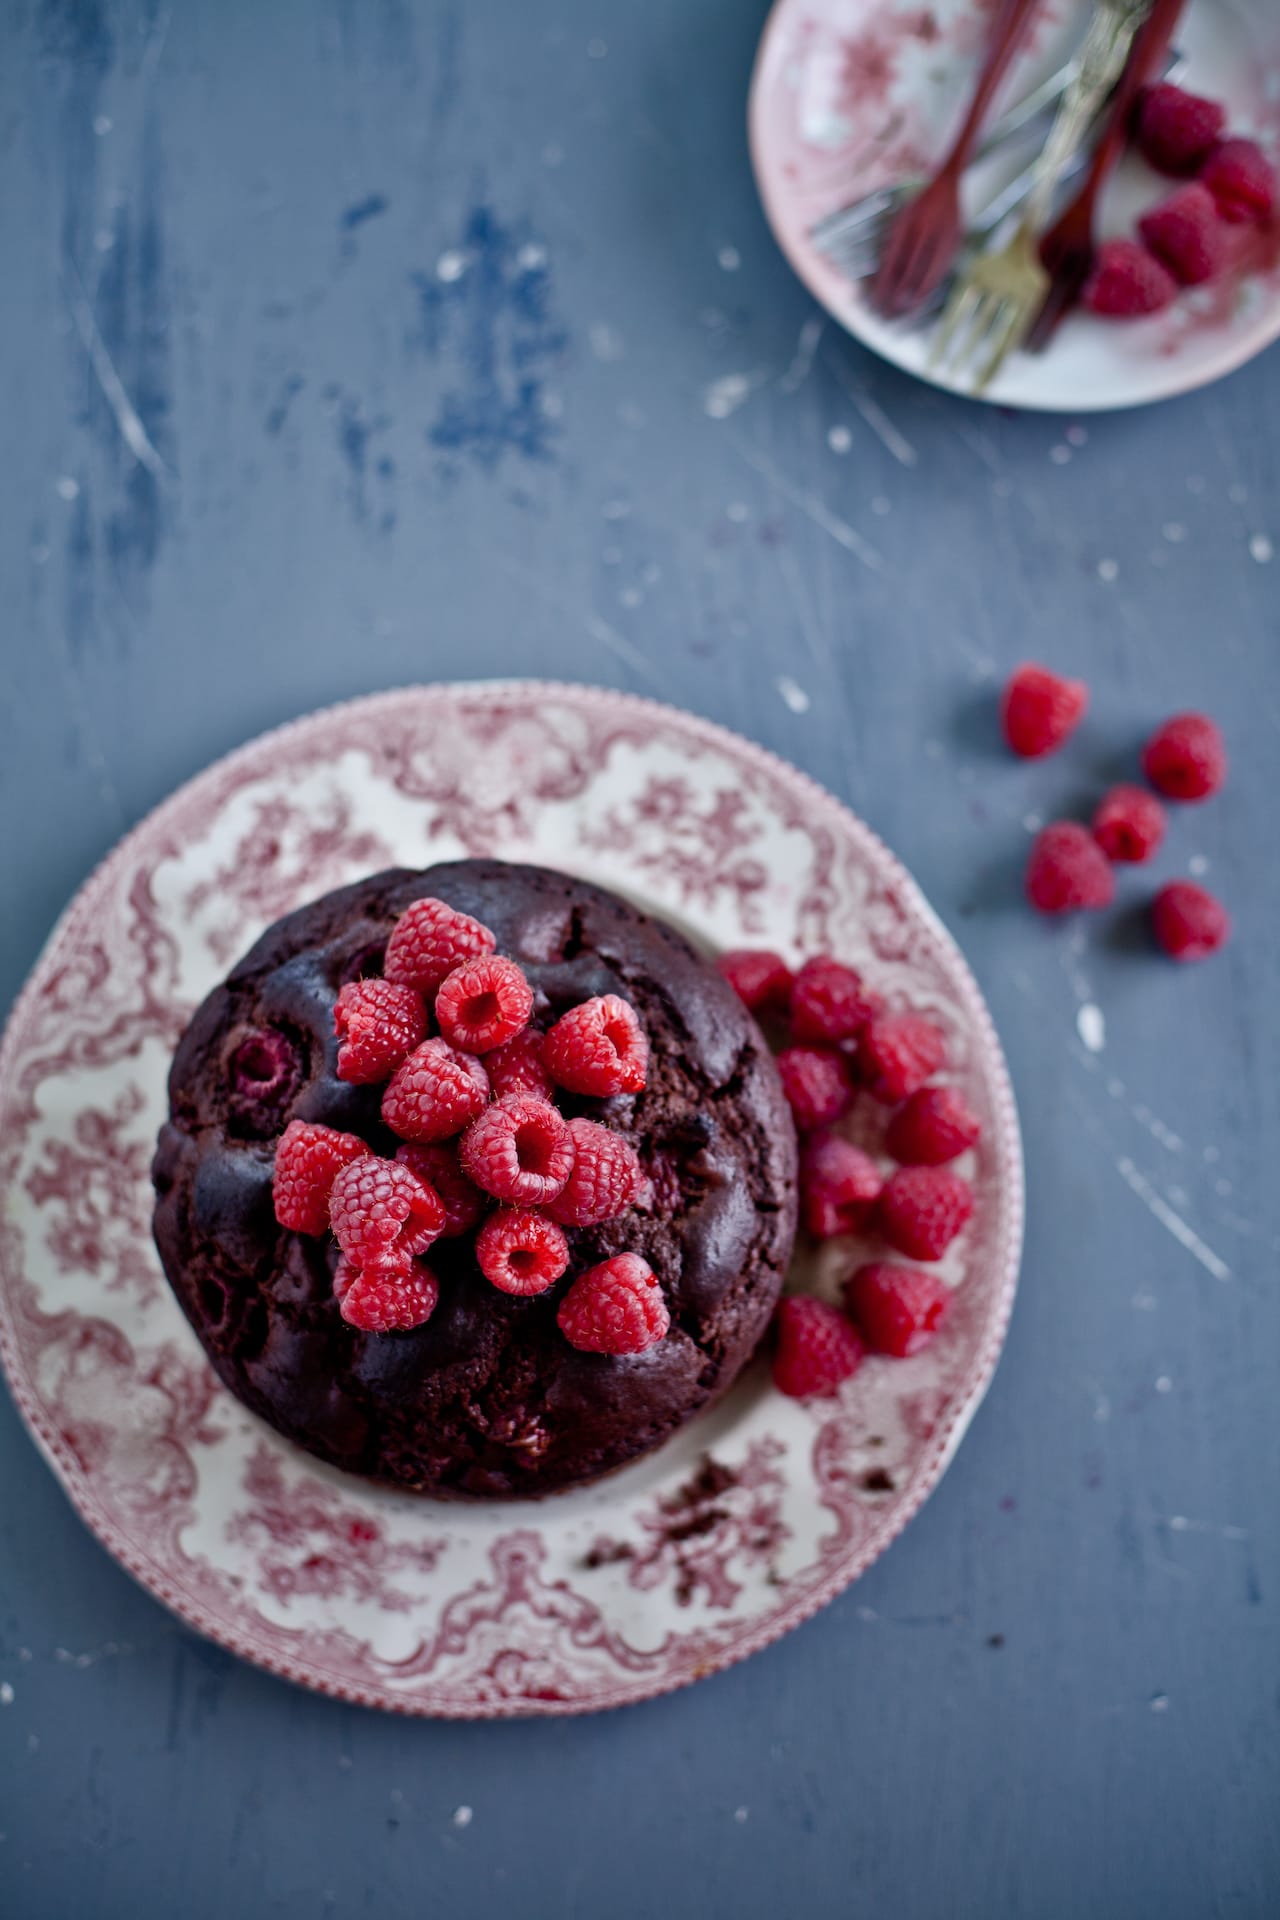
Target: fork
point(996, 300)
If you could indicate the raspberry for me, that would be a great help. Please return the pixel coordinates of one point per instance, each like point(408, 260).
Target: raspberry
point(605, 1181)
point(817, 1084)
point(1068, 869)
point(933, 1127)
point(482, 1003)
point(829, 1002)
point(437, 1167)
point(922, 1209)
point(1127, 282)
point(1188, 922)
point(599, 1048)
point(897, 1054)
point(897, 1309)
point(817, 1348)
point(1129, 824)
point(308, 1160)
point(1176, 130)
point(1186, 759)
point(839, 1185)
point(435, 1093)
point(1185, 233)
point(516, 1066)
point(429, 940)
point(377, 1023)
point(761, 980)
point(1039, 710)
point(387, 1296)
point(616, 1307)
point(377, 1207)
point(1242, 181)
point(521, 1252)
point(519, 1149)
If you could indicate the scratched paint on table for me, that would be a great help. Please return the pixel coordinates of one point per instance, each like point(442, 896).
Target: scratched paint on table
point(487, 313)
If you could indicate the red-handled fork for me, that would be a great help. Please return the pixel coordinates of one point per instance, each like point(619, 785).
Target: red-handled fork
point(1067, 249)
point(925, 238)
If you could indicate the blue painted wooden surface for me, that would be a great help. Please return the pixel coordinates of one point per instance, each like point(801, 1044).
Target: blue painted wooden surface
point(431, 323)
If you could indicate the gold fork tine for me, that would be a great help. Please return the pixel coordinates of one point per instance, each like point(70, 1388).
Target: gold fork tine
point(962, 305)
point(1009, 334)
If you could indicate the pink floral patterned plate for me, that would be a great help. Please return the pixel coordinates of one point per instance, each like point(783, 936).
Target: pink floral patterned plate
point(736, 1530)
point(849, 95)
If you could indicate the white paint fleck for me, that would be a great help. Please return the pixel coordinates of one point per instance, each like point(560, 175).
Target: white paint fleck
point(1164, 1384)
point(552, 155)
point(882, 426)
point(531, 256)
point(1076, 434)
point(1261, 549)
point(1101, 1409)
point(605, 342)
point(802, 359)
point(1060, 454)
point(1174, 532)
point(839, 439)
point(1091, 1025)
point(737, 511)
point(725, 395)
point(630, 597)
point(1159, 1703)
point(33, 1743)
point(1197, 864)
point(66, 488)
point(1172, 1222)
point(1108, 570)
point(6, 1693)
point(740, 1815)
point(596, 49)
point(793, 695)
point(881, 504)
point(1144, 1303)
point(24, 1653)
point(616, 509)
point(552, 405)
point(730, 259)
point(451, 265)
point(102, 125)
point(1178, 1522)
point(463, 1816)
point(1033, 822)
point(1168, 1139)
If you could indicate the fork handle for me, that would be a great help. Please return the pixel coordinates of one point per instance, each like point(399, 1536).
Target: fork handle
point(1149, 47)
point(1015, 16)
point(1105, 50)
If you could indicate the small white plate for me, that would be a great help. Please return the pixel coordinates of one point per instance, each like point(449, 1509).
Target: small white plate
point(849, 95)
point(657, 1576)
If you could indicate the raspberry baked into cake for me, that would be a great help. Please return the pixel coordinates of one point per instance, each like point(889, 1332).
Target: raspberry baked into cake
point(477, 1180)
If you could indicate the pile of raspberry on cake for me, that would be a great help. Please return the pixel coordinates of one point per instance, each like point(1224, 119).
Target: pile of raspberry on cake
point(485, 1149)
point(841, 1043)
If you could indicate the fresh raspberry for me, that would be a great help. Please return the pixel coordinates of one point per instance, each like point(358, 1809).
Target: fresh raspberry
point(839, 1185)
point(933, 1127)
point(377, 1207)
point(521, 1252)
point(1185, 233)
point(829, 1002)
point(1188, 922)
point(598, 1048)
point(616, 1307)
point(516, 1067)
point(817, 1084)
point(429, 940)
point(1186, 758)
point(387, 1296)
point(435, 1093)
point(1242, 181)
point(817, 1348)
point(519, 1149)
point(308, 1160)
point(1177, 130)
point(1129, 824)
point(899, 1053)
point(606, 1178)
point(377, 1023)
point(482, 1003)
point(437, 1167)
point(343, 1274)
point(1067, 869)
point(897, 1309)
point(761, 980)
point(922, 1209)
point(1126, 282)
point(1039, 710)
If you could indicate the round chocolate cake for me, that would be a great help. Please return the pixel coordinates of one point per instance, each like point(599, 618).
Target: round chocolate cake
point(488, 1397)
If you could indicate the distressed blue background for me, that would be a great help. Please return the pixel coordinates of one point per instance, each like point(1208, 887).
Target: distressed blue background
point(418, 313)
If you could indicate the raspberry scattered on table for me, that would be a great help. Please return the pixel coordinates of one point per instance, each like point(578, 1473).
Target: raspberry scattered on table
point(1129, 824)
point(1188, 923)
point(1039, 710)
point(1067, 870)
point(1186, 758)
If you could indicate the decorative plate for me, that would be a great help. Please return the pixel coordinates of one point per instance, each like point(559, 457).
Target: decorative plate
point(738, 1528)
point(849, 95)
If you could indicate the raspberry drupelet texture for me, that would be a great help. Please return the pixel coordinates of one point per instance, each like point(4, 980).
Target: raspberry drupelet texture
point(899, 1053)
point(606, 1178)
point(435, 1093)
point(1039, 710)
point(378, 1024)
point(828, 1002)
point(388, 1296)
point(1129, 824)
point(1242, 181)
point(598, 1048)
point(437, 1167)
point(817, 1083)
point(922, 1209)
point(308, 1160)
point(817, 1348)
point(761, 979)
point(616, 1307)
point(483, 1003)
point(1186, 758)
point(1188, 923)
point(933, 1126)
point(1177, 130)
point(1186, 235)
point(516, 1067)
point(377, 1207)
point(520, 1150)
point(897, 1309)
point(839, 1185)
point(1126, 282)
point(429, 940)
point(521, 1252)
point(1067, 870)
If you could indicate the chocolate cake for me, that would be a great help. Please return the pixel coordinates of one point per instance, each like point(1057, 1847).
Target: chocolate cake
point(487, 1398)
